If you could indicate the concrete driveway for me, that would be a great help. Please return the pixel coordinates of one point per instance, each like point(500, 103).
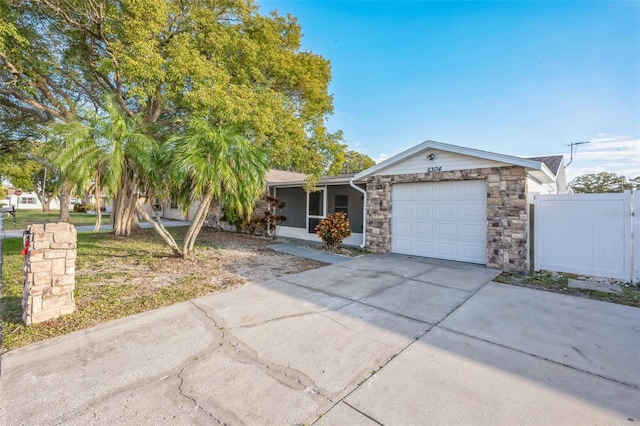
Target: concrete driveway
point(387, 340)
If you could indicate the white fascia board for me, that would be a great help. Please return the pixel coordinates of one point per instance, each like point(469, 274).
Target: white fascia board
point(502, 158)
point(328, 181)
point(334, 181)
point(285, 184)
point(542, 173)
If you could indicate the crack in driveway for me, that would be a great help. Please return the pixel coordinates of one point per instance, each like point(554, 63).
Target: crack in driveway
point(243, 353)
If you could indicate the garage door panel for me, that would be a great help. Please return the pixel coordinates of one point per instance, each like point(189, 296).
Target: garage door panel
point(447, 250)
point(421, 192)
point(473, 251)
point(403, 193)
point(423, 248)
point(475, 231)
point(450, 190)
point(448, 210)
point(423, 209)
point(400, 227)
point(446, 220)
point(424, 228)
point(447, 230)
point(402, 209)
point(477, 211)
point(403, 245)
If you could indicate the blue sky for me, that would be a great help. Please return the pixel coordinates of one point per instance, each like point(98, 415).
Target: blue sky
point(514, 77)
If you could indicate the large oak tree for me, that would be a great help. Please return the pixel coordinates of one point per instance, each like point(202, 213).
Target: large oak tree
point(168, 59)
point(602, 182)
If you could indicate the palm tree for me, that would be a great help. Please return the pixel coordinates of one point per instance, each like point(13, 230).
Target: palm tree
point(80, 158)
point(215, 163)
point(112, 151)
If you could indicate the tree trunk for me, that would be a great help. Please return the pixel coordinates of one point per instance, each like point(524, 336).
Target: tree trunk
point(121, 216)
point(46, 204)
point(160, 229)
point(65, 196)
point(96, 227)
point(196, 225)
point(124, 215)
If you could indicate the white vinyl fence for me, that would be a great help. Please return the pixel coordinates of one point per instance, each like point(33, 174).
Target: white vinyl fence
point(591, 234)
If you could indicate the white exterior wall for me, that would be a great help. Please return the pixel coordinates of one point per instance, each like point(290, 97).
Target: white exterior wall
point(420, 163)
point(535, 187)
point(174, 214)
point(13, 201)
point(561, 180)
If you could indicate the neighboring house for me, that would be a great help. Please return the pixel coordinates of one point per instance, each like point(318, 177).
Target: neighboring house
point(29, 201)
point(555, 164)
point(434, 200)
point(172, 210)
point(105, 203)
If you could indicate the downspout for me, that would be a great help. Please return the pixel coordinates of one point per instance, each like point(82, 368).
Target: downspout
point(364, 212)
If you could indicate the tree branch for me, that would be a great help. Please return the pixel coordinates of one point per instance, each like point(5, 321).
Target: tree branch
point(30, 111)
point(12, 68)
point(50, 112)
point(61, 92)
point(42, 87)
point(68, 19)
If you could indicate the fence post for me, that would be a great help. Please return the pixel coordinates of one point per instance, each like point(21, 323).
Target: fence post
point(532, 236)
point(49, 268)
point(635, 237)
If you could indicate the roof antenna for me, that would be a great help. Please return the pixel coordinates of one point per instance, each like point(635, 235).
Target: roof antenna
point(572, 144)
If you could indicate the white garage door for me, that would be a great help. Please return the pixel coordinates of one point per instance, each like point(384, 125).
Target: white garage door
point(444, 220)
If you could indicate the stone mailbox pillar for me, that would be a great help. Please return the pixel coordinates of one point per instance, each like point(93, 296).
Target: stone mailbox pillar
point(49, 267)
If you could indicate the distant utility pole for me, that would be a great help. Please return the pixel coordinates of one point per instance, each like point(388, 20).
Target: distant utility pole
point(572, 144)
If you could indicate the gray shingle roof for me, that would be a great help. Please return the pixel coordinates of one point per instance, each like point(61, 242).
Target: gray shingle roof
point(282, 176)
point(552, 162)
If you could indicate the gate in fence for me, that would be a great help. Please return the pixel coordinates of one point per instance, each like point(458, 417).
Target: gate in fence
point(590, 234)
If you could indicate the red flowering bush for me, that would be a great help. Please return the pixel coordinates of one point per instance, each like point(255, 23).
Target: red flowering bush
point(334, 229)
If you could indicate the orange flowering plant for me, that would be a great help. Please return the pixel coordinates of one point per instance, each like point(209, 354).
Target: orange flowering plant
point(334, 229)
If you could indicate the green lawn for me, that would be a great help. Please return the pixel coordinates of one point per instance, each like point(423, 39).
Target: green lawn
point(25, 218)
point(122, 276)
point(107, 284)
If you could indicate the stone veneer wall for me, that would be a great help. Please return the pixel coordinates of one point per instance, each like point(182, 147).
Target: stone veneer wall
point(49, 268)
point(507, 213)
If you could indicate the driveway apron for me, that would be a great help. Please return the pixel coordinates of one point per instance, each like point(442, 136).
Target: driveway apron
point(373, 340)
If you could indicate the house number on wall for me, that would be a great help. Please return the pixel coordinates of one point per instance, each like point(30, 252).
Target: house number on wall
point(434, 169)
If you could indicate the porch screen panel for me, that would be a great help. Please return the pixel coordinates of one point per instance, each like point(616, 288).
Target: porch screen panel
point(316, 203)
point(295, 210)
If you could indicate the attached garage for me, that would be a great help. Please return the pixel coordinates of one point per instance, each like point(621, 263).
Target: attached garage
point(443, 220)
point(450, 202)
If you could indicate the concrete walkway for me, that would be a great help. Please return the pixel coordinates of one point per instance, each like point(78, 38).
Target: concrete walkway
point(390, 340)
point(302, 248)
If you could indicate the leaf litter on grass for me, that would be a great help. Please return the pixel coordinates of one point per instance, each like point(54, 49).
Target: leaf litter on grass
point(118, 277)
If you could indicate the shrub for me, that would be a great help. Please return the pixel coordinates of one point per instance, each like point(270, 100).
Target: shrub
point(271, 215)
point(231, 216)
point(334, 229)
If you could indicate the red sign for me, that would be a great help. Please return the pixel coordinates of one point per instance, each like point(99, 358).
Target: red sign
point(17, 192)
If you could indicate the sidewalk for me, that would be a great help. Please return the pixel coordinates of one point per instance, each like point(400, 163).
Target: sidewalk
point(17, 233)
